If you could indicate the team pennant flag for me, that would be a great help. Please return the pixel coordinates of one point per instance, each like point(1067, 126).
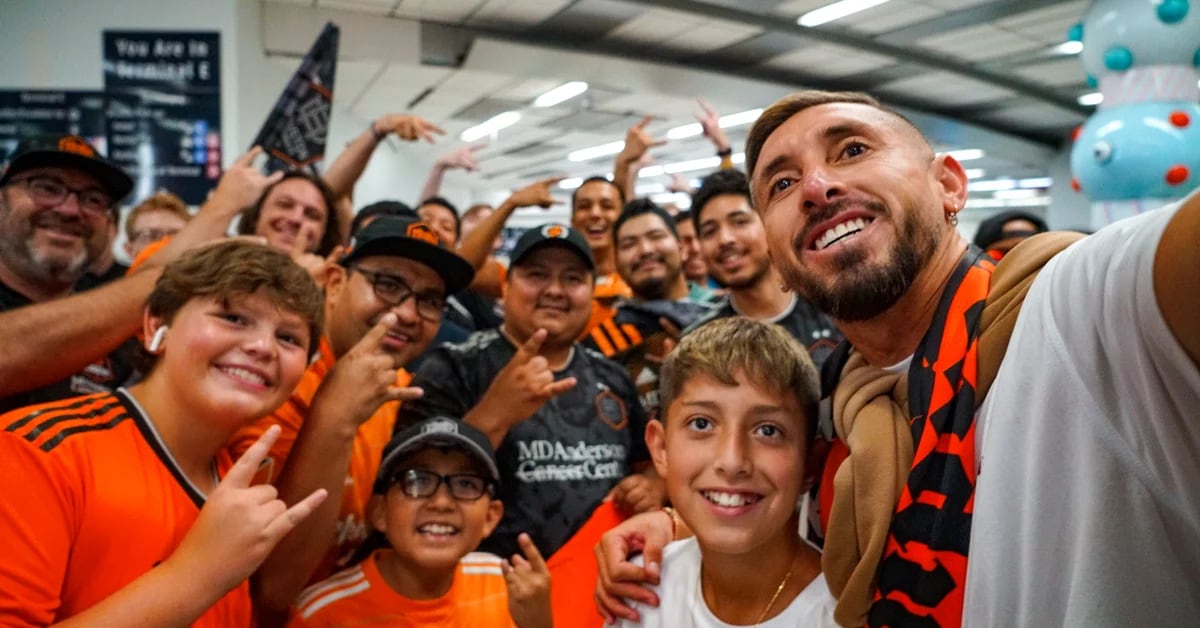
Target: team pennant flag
point(293, 137)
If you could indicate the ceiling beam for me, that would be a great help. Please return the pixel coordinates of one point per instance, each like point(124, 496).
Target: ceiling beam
point(902, 52)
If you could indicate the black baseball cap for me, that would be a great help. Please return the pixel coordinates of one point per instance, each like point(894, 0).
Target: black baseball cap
point(68, 151)
point(438, 431)
point(552, 234)
point(403, 236)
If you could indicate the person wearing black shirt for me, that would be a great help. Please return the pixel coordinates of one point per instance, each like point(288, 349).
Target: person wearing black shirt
point(565, 421)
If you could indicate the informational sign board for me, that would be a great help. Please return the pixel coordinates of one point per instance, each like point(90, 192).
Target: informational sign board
point(29, 113)
point(163, 92)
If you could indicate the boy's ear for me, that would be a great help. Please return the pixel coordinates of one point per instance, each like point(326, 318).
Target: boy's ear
point(150, 326)
point(494, 512)
point(335, 279)
point(377, 507)
point(656, 441)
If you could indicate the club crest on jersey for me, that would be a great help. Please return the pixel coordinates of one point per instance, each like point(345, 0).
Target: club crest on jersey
point(611, 409)
point(421, 231)
point(554, 231)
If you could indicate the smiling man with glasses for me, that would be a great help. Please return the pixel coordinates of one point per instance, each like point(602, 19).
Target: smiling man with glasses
point(383, 304)
point(56, 196)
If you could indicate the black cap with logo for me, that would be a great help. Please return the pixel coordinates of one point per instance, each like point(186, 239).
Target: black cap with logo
point(68, 151)
point(402, 236)
point(436, 432)
point(552, 234)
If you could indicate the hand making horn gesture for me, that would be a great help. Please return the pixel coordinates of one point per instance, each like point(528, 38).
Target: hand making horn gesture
point(518, 391)
point(638, 141)
point(301, 252)
point(364, 378)
point(407, 127)
point(242, 183)
point(535, 194)
point(239, 524)
point(528, 581)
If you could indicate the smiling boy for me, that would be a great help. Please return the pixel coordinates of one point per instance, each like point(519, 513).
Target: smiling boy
point(740, 400)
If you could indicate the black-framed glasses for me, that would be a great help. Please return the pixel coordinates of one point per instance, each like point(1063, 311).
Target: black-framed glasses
point(466, 487)
point(51, 191)
point(394, 291)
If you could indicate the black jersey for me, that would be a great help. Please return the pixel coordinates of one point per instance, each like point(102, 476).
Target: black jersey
point(635, 331)
point(804, 322)
point(560, 463)
point(103, 375)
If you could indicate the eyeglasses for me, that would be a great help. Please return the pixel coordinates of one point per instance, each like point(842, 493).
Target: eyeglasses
point(392, 290)
point(51, 191)
point(152, 235)
point(418, 483)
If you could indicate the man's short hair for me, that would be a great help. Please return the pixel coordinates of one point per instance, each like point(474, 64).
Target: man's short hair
point(333, 232)
point(162, 201)
point(719, 183)
point(438, 200)
point(640, 207)
point(597, 179)
point(763, 353)
point(683, 217)
point(783, 109)
point(378, 209)
point(233, 269)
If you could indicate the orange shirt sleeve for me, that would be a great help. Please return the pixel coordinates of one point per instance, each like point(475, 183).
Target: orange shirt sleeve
point(37, 522)
point(146, 254)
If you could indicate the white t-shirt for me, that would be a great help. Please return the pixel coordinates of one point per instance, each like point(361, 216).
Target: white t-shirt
point(680, 604)
point(1087, 506)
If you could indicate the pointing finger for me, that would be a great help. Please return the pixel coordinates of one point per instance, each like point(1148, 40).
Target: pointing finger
point(243, 470)
point(559, 387)
point(530, 349)
point(373, 339)
point(247, 158)
point(405, 393)
point(273, 178)
point(646, 120)
point(531, 552)
point(292, 517)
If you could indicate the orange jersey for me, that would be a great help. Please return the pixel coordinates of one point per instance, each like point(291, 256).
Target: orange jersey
point(360, 597)
point(609, 290)
point(353, 523)
point(92, 500)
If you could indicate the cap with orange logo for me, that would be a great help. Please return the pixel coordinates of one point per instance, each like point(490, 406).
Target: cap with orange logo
point(552, 234)
point(68, 151)
point(402, 236)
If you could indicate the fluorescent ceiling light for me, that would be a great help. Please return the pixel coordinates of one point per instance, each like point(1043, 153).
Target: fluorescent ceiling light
point(651, 171)
point(1006, 194)
point(650, 188)
point(974, 173)
point(734, 119)
point(1091, 98)
point(966, 154)
point(992, 185)
point(1069, 48)
point(984, 203)
point(490, 126)
point(571, 183)
point(679, 199)
point(836, 11)
point(586, 154)
point(562, 93)
point(1035, 183)
point(704, 163)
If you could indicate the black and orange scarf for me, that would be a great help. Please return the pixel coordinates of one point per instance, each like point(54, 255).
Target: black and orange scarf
point(924, 567)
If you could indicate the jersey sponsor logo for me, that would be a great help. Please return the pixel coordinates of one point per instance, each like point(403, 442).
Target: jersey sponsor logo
point(551, 461)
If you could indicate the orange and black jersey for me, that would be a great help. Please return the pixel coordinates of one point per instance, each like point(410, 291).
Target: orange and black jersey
point(103, 375)
point(92, 499)
point(635, 332)
point(802, 320)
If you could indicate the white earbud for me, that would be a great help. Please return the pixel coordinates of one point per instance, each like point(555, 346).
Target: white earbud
point(157, 340)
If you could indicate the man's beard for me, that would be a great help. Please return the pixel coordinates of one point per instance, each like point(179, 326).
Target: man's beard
point(760, 268)
point(17, 251)
point(864, 290)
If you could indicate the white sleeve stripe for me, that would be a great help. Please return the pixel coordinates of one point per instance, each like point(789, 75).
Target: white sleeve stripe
point(321, 588)
point(334, 596)
point(491, 571)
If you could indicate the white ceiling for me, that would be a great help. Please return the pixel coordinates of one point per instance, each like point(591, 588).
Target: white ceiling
point(973, 73)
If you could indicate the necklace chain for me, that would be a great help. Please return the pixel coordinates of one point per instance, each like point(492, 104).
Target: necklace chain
point(778, 590)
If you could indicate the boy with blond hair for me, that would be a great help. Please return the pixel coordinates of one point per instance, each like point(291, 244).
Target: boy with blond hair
point(739, 399)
